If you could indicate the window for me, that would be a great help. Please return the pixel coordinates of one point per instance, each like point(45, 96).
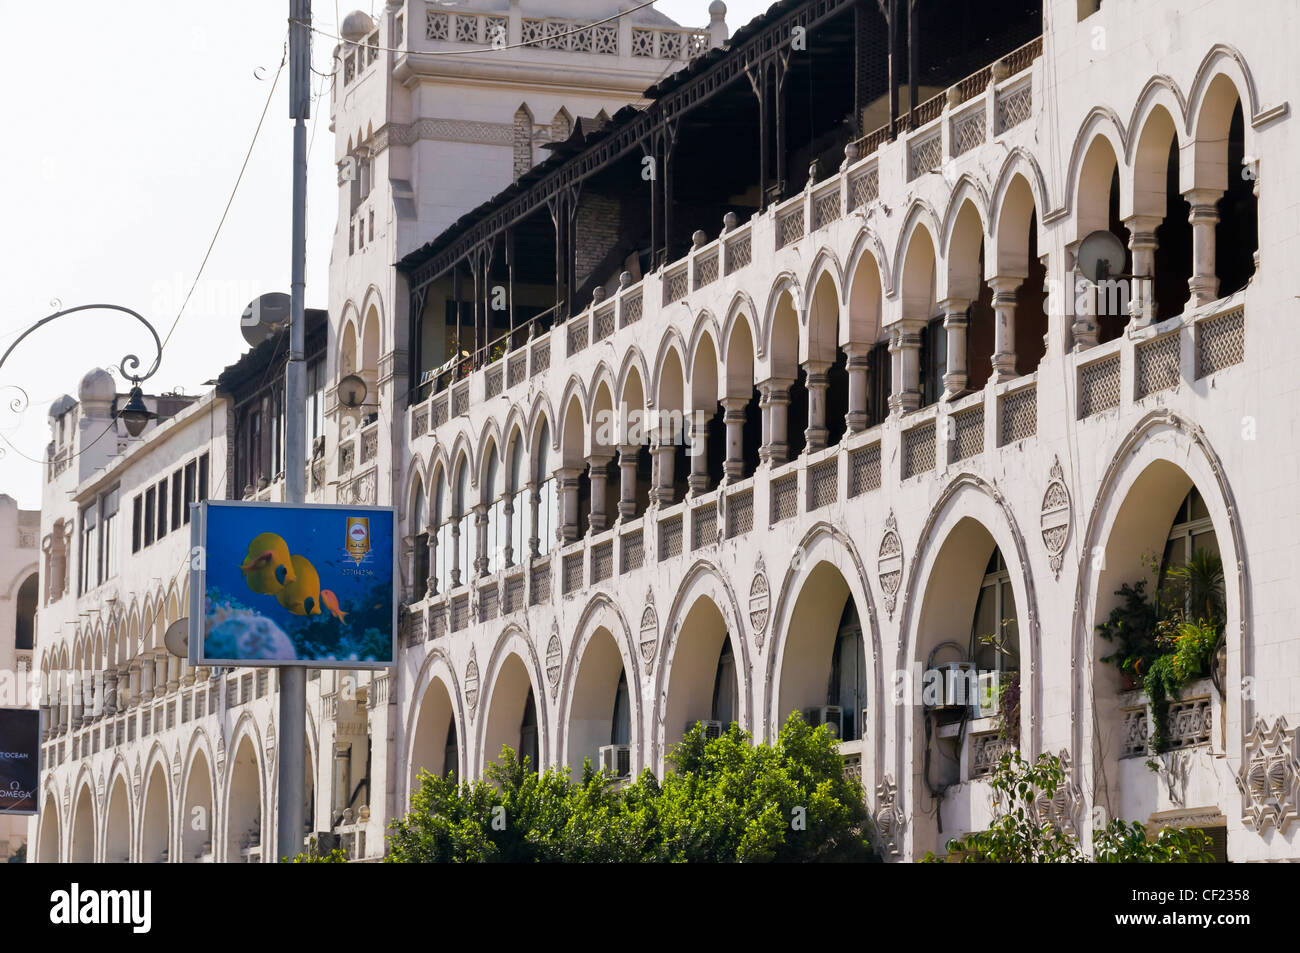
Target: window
point(87, 567)
point(934, 361)
point(528, 732)
point(137, 517)
point(420, 584)
point(848, 682)
point(191, 474)
point(995, 637)
point(494, 518)
point(620, 732)
point(108, 523)
point(180, 513)
point(514, 531)
point(315, 403)
point(464, 524)
point(724, 686)
point(1192, 530)
point(162, 509)
point(548, 499)
point(150, 515)
point(203, 479)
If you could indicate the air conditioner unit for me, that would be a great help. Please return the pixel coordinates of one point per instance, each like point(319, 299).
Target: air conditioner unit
point(831, 715)
point(950, 685)
point(616, 760)
point(986, 701)
point(712, 729)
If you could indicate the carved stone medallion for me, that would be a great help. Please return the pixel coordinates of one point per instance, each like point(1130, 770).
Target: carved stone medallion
point(891, 563)
point(1056, 517)
point(471, 684)
point(760, 603)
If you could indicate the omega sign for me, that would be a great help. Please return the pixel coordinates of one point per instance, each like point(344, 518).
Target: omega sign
point(20, 760)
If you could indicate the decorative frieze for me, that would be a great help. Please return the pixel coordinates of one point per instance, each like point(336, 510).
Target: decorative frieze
point(890, 563)
point(760, 601)
point(1269, 779)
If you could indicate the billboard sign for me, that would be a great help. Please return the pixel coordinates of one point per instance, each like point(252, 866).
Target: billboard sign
point(20, 760)
point(277, 584)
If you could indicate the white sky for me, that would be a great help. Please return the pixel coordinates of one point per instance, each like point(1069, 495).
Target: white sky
point(125, 139)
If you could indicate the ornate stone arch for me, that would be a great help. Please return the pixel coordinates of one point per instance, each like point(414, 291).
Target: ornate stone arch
point(513, 640)
point(825, 543)
point(1103, 122)
point(920, 214)
point(671, 341)
point(1019, 162)
point(1159, 90)
point(601, 611)
point(783, 282)
point(1163, 436)
point(702, 580)
point(742, 308)
point(435, 667)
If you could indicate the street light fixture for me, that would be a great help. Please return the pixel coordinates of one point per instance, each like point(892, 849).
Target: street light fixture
point(135, 415)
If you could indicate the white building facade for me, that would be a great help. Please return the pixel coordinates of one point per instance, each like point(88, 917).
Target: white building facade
point(19, 596)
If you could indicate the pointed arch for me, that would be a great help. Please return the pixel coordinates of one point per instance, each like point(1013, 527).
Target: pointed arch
point(497, 715)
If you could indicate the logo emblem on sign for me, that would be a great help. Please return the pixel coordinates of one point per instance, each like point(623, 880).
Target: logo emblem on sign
point(358, 537)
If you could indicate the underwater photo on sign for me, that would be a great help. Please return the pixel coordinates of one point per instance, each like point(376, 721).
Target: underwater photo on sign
point(307, 584)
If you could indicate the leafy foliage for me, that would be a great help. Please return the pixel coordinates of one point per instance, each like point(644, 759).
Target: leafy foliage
point(1020, 836)
point(727, 800)
point(1170, 641)
point(313, 855)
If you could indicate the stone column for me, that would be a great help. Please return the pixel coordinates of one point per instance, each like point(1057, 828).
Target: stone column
point(136, 676)
point(765, 422)
point(816, 434)
point(859, 386)
point(1082, 297)
point(455, 552)
point(1004, 326)
point(627, 455)
point(534, 496)
point(1204, 215)
point(432, 581)
point(508, 513)
point(778, 414)
point(47, 727)
point(78, 701)
point(160, 673)
point(955, 380)
point(596, 463)
point(173, 673)
point(905, 350)
point(664, 454)
point(1142, 243)
point(697, 452)
point(110, 692)
point(570, 522)
point(733, 418)
point(187, 674)
point(481, 538)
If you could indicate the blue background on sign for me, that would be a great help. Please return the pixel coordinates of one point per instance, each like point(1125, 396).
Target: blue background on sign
point(243, 625)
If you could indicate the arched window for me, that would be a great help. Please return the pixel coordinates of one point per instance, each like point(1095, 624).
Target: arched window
point(847, 689)
point(995, 636)
point(420, 532)
point(442, 551)
point(1191, 570)
point(451, 752)
point(724, 686)
point(620, 732)
point(495, 503)
point(548, 499)
point(464, 527)
point(514, 528)
point(528, 732)
point(25, 627)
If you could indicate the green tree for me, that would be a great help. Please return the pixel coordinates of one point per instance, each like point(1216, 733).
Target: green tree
point(1020, 836)
point(725, 800)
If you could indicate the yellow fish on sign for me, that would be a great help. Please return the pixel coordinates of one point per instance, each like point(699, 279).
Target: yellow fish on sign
point(267, 567)
point(358, 537)
point(302, 596)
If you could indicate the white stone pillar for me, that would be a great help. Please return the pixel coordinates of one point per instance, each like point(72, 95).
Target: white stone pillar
point(596, 464)
point(733, 418)
point(697, 452)
point(1204, 216)
point(627, 455)
point(1004, 326)
point(455, 552)
point(508, 513)
point(570, 520)
point(1142, 243)
point(481, 538)
point(816, 434)
point(664, 453)
point(859, 386)
point(905, 349)
point(955, 379)
point(778, 414)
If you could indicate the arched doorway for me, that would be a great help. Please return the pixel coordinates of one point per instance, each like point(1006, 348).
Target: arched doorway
point(244, 828)
point(197, 819)
point(435, 747)
point(512, 716)
point(117, 828)
point(600, 710)
point(155, 819)
point(82, 848)
point(704, 683)
point(50, 832)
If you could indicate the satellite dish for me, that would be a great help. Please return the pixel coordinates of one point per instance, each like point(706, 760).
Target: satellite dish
point(265, 317)
point(1101, 256)
point(177, 638)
